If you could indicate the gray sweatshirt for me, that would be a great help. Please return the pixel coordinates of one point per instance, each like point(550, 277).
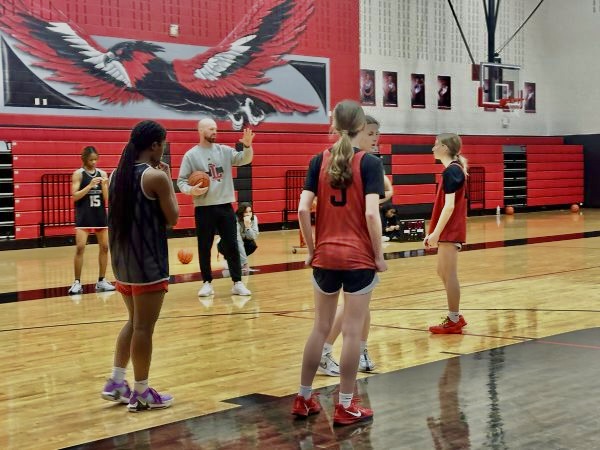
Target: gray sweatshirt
point(216, 161)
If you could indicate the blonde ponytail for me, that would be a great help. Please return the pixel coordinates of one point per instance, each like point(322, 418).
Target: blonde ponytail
point(340, 164)
point(348, 121)
point(464, 163)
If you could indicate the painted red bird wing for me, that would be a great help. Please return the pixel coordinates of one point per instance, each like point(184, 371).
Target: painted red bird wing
point(70, 54)
point(238, 64)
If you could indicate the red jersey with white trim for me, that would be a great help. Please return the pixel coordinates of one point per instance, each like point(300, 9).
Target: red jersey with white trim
point(342, 240)
point(452, 181)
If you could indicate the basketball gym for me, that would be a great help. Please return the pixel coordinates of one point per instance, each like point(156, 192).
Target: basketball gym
point(513, 79)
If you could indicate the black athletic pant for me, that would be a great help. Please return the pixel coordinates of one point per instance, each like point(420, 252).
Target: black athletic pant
point(219, 218)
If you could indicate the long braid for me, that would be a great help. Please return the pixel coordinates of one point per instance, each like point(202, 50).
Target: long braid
point(122, 196)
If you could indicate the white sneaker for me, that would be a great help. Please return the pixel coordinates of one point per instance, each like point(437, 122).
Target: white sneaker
point(206, 290)
point(364, 363)
point(240, 289)
point(76, 288)
point(385, 239)
point(329, 366)
point(104, 286)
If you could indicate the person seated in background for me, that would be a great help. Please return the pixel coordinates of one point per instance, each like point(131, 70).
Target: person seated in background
point(391, 224)
point(247, 227)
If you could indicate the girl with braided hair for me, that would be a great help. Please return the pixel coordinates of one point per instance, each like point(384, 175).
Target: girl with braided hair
point(142, 205)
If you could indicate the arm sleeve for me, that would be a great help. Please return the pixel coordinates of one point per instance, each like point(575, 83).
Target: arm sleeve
point(312, 177)
point(453, 178)
point(239, 158)
point(252, 232)
point(185, 170)
point(371, 169)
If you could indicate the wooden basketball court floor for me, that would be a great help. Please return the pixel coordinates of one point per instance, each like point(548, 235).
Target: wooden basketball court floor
point(524, 374)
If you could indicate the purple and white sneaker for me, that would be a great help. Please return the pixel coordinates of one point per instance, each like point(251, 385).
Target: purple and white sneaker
point(116, 391)
point(150, 399)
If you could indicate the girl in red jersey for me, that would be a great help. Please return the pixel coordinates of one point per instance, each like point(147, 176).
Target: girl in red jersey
point(142, 204)
point(328, 365)
point(346, 254)
point(448, 226)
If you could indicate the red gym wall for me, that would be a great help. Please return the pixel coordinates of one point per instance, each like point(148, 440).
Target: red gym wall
point(46, 143)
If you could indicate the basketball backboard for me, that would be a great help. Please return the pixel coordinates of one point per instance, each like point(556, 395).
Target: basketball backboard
point(498, 84)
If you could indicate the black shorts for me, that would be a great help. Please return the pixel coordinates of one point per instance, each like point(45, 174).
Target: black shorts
point(358, 281)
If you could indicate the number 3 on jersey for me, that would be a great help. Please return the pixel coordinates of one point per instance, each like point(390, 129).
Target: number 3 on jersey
point(95, 201)
point(338, 202)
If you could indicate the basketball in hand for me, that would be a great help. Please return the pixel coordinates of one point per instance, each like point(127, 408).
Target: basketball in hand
point(200, 178)
point(185, 256)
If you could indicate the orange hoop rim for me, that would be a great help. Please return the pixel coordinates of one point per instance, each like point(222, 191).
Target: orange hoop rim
point(511, 101)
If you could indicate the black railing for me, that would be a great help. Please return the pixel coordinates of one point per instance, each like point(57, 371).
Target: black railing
point(57, 202)
point(294, 183)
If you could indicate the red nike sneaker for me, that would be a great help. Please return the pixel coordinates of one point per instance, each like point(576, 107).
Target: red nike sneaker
point(449, 327)
point(352, 414)
point(305, 408)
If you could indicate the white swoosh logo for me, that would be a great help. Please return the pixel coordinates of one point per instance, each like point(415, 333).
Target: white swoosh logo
point(356, 414)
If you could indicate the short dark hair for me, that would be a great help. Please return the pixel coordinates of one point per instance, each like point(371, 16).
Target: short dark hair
point(87, 151)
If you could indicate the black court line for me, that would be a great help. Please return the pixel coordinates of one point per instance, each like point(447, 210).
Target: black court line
point(290, 314)
point(38, 294)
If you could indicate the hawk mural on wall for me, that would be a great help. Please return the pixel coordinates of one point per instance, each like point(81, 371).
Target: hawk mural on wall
point(223, 81)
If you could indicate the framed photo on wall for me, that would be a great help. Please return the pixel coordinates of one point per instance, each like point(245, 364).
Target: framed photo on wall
point(367, 87)
point(417, 90)
point(529, 97)
point(390, 88)
point(444, 92)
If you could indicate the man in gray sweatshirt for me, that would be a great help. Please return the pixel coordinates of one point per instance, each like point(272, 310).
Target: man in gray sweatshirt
point(213, 210)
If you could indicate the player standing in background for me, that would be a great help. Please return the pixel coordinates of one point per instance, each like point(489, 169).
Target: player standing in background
point(90, 194)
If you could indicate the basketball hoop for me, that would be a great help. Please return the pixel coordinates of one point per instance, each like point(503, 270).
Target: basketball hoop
point(510, 104)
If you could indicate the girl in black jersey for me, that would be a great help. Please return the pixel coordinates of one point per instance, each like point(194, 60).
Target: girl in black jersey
point(142, 205)
point(90, 194)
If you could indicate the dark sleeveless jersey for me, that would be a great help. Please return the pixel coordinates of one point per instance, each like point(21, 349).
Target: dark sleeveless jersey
point(144, 257)
point(342, 240)
point(456, 228)
point(90, 210)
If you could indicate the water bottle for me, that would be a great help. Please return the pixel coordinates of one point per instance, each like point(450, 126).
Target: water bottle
point(498, 210)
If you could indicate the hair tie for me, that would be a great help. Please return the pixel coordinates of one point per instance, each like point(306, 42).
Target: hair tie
point(344, 132)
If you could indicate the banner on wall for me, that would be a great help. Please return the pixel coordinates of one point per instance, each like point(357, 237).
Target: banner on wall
point(444, 92)
point(55, 68)
point(367, 87)
point(390, 88)
point(417, 90)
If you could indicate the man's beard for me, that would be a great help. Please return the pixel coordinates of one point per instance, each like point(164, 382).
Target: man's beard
point(211, 139)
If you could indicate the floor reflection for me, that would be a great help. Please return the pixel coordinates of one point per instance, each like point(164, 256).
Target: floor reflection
point(451, 429)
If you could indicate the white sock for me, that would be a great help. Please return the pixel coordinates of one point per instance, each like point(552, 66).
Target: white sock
point(363, 346)
point(453, 316)
point(346, 399)
point(141, 386)
point(118, 374)
point(327, 348)
point(305, 391)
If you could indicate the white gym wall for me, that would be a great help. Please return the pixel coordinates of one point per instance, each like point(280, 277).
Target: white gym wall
point(421, 36)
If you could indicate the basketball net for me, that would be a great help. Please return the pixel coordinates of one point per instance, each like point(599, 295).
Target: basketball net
point(511, 105)
point(512, 108)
